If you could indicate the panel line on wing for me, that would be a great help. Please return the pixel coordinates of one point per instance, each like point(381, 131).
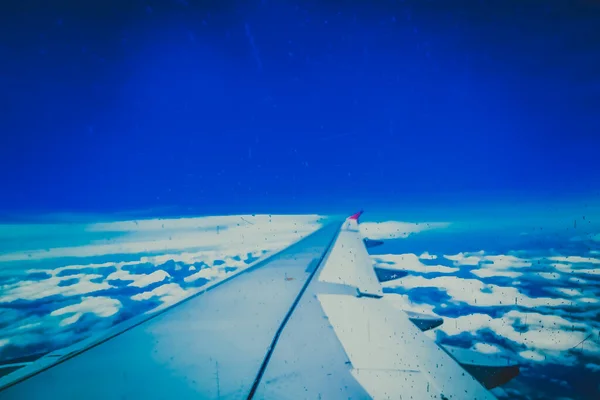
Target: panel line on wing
point(287, 317)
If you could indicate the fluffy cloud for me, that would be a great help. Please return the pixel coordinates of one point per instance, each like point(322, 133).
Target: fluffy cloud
point(34, 289)
point(396, 229)
point(465, 258)
point(540, 328)
point(549, 275)
point(233, 256)
point(262, 222)
point(427, 256)
point(488, 273)
point(409, 262)
point(101, 306)
point(168, 294)
point(154, 277)
point(243, 231)
point(593, 367)
point(575, 259)
point(570, 269)
point(165, 261)
point(568, 292)
point(489, 261)
point(477, 293)
point(532, 355)
point(206, 273)
point(544, 337)
point(487, 348)
point(140, 280)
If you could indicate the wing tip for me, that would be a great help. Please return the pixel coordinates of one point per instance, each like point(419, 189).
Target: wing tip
point(356, 216)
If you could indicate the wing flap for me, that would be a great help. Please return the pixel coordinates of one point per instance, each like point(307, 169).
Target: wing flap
point(376, 336)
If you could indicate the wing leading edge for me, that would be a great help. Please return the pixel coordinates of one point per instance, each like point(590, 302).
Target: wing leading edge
point(308, 322)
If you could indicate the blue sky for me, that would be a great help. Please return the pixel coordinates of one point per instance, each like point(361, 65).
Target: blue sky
point(297, 106)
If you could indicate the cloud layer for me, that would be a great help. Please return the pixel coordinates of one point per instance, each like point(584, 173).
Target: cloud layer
point(544, 310)
point(52, 301)
point(168, 235)
point(397, 229)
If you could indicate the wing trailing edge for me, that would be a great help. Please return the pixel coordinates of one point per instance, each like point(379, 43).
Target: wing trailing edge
point(490, 370)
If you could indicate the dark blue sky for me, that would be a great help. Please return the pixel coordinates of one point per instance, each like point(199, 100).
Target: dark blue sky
point(296, 106)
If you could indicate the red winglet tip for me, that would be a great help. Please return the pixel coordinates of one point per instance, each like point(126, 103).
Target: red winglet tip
point(355, 216)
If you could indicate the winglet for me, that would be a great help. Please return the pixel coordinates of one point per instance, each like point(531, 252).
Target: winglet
point(355, 216)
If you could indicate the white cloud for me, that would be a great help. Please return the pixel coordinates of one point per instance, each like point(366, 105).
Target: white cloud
point(487, 348)
point(593, 367)
point(169, 293)
point(34, 290)
point(501, 261)
point(396, 229)
point(409, 262)
point(505, 261)
point(465, 258)
point(101, 306)
point(71, 320)
point(28, 326)
point(244, 232)
point(595, 271)
point(228, 242)
point(477, 293)
point(532, 355)
point(206, 273)
point(575, 259)
point(569, 269)
point(154, 277)
point(544, 336)
point(579, 281)
point(264, 221)
point(37, 289)
point(588, 300)
point(427, 256)
point(122, 274)
point(568, 292)
point(549, 275)
point(139, 280)
point(487, 273)
point(70, 267)
point(467, 323)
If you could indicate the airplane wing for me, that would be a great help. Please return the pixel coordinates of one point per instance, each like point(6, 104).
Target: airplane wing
point(307, 322)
